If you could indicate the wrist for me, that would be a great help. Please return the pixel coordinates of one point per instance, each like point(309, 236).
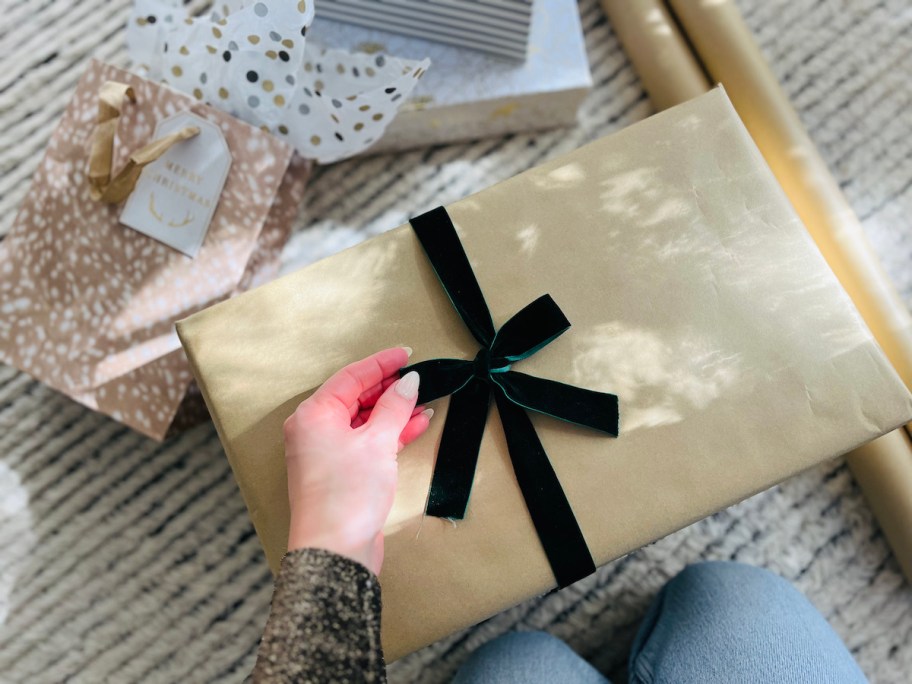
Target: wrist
point(357, 551)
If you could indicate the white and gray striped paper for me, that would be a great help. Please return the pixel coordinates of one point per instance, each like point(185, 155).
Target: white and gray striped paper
point(499, 27)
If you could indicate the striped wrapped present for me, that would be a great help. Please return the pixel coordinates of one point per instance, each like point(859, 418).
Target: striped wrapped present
point(499, 27)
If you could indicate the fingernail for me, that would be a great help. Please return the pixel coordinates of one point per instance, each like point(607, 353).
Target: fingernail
point(408, 350)
point(428, 412)
point(408, 385)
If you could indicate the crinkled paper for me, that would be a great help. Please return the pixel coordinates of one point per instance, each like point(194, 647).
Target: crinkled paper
point(250, 59)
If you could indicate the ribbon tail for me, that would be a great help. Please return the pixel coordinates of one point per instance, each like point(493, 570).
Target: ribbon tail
point(596, 410)
point(558, 531)
point(457, 456)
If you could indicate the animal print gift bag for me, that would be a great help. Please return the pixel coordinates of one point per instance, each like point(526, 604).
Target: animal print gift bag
point(151, 204)
point(88, 303)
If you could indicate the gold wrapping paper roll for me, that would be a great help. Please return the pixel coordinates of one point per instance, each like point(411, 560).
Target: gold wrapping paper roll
point(883, 470)
point(728, 51)
point(668, 69)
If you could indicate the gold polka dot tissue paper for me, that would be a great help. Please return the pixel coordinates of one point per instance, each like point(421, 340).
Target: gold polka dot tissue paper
point(251, 59)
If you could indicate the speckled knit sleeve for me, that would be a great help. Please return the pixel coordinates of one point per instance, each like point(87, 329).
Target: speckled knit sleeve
point(324, 625)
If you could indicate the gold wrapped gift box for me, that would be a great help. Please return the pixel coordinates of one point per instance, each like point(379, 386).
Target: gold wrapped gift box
point(694, 294)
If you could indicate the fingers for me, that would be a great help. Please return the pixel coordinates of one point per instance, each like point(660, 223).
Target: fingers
point(416, 427)
point(369, 397)
point(394, 407)
point(364, 414)
point(343, 389)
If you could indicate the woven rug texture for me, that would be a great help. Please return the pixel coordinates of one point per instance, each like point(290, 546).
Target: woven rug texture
point(125, 560)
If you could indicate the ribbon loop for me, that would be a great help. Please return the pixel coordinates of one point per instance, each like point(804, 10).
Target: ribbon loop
point(440, 377)
point(533, 327)
point(471, 383)
point(596, 410)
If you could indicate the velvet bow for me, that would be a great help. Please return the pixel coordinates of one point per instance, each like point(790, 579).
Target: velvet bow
point(471, 384)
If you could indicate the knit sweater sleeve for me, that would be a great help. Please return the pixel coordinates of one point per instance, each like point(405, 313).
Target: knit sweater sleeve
point(324, 625)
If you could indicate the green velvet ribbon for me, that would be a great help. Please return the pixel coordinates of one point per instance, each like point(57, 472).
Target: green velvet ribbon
point(471, 383)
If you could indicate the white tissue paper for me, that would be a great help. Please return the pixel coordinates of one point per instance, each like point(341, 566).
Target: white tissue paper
point(250, 60)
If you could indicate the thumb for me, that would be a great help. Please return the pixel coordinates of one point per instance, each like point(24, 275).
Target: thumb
point(394, 408)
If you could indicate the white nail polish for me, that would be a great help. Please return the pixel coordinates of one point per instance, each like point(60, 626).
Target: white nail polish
point(408, 385)
point(408, 350)
point(428, 412)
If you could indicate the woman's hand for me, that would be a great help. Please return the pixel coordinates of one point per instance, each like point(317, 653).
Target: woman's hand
point(340, 449)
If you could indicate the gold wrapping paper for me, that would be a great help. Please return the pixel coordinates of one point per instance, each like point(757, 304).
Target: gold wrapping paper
point(694, 294)
point(883, 468)
point(728, 50)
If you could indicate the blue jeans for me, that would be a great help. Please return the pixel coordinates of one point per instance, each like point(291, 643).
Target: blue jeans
point(714, 622)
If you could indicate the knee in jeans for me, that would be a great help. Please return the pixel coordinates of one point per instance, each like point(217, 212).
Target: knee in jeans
point(724, 577)
point(525, 642)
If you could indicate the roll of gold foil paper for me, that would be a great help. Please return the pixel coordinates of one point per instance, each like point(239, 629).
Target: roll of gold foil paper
point(883, 469)
point(668, 69)
point(726, 49)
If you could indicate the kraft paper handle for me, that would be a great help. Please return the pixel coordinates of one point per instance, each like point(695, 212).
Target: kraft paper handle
point(112, 97)
point(726, 49)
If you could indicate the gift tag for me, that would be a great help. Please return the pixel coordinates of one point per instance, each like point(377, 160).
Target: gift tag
point(176, 195)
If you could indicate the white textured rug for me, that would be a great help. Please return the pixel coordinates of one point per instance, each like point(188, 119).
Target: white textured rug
point(123, 560)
